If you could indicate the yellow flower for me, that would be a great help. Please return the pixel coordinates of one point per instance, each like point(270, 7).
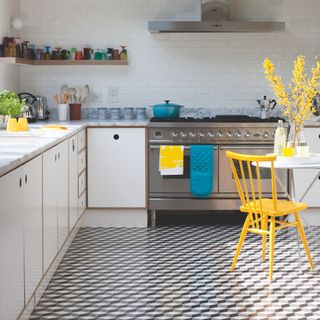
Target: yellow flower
point(298, 104)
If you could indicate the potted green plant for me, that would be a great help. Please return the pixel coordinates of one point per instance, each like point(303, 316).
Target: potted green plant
point(10, 106)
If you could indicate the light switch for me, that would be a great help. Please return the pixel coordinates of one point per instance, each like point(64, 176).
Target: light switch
point(113, 94)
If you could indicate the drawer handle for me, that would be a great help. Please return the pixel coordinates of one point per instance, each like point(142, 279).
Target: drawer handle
point(26, 179)
point(116, 137)
point(59, 155)
point(55, 157)
point(20, 182)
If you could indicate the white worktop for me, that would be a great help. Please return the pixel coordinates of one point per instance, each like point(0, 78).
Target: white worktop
point(17, 148)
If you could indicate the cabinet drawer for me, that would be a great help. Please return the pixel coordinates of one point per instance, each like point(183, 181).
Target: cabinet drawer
point(82, 203)
point(81, 140)
point(82, 183)
point(82, 163)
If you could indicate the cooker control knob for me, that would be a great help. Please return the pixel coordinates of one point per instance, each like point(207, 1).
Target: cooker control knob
point(192, 135)
point(210, 135)
point(273, 134)
point(219, 134)
point(237, 134)
point(265, 135)
point(183, 135)
point(201, 135)
point(247, 134)
point(174, 135)
point(229, 134)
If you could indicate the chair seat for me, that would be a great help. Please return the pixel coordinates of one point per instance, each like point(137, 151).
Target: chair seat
point(283, 207)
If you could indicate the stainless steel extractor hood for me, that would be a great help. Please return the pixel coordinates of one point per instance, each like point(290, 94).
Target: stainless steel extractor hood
point(215, 18)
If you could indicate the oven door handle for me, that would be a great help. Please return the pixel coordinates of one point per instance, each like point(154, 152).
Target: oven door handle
point(185, 147)
point(246, 148)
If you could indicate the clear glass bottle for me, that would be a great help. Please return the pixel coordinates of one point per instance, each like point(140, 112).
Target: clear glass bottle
point(279, 139)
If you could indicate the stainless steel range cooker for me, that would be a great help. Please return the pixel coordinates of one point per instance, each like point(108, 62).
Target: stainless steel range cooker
point(253, 136)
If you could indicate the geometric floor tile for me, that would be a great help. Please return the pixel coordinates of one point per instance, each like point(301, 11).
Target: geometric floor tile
point(180, 272)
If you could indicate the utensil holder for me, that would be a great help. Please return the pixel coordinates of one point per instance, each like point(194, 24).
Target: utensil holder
point(75, 111)
point(63, 112)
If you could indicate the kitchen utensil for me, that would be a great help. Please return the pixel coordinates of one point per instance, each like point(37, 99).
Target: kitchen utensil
point(265, 106)
point(86, 92)
point(64, 89)
point(78, 94)
point(166, 110)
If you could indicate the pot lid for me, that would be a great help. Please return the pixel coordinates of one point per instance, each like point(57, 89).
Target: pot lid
point(167, 104)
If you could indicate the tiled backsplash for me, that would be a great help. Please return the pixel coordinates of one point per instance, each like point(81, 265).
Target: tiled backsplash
point(203, 70)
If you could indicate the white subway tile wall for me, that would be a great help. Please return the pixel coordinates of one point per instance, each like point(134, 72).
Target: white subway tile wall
point(201, 70)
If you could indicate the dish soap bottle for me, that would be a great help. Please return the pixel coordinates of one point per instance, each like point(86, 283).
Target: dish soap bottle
point(279, 139)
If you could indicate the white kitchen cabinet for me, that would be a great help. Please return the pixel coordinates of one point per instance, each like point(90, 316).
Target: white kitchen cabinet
point(11, 245)
point(55, 200)
point(81, 140)
point(62, 187)
point(304, 177)
point(116, 168)
point(32, 212)
point(73, 182)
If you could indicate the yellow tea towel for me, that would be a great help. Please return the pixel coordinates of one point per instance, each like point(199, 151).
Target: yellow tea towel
point(171, 160)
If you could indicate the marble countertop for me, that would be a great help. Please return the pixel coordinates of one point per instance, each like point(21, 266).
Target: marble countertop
point(17, 148)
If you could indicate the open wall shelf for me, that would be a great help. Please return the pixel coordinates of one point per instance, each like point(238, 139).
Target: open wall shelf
point(63, 62)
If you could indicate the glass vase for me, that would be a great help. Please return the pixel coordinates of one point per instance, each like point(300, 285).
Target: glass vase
point(295, 137)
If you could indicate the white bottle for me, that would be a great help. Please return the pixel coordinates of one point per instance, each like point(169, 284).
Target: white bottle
point(279, 139)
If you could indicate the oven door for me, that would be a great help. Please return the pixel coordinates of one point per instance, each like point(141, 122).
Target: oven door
point(226, 181)
point(174, 186)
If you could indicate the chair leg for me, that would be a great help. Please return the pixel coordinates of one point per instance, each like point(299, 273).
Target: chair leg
point(303, 238)
point(240, 243)
point(264, 237)
point(271, 247)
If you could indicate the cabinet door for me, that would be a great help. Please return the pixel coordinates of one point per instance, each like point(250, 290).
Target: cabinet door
point(62, 192)
point(116, 168)
point(11, 245)
point(50, 207)
point(32, 210)
point(304, 177)
point(73, 182)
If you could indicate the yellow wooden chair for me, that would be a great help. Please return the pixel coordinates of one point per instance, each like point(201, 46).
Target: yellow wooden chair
point(262, 213)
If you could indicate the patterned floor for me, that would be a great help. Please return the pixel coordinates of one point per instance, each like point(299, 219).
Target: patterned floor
point(179, 272)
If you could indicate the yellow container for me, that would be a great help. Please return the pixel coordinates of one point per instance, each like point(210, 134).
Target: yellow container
point(288, 152)
point(23, 124)
point(12, 125)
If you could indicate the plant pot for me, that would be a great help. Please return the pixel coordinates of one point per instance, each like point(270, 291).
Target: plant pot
point(75, 111)
point(3, 122)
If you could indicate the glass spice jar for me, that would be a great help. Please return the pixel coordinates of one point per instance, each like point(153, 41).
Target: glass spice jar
point(124, 53)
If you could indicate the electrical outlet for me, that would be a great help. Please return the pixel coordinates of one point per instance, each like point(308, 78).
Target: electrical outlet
point(113, 94)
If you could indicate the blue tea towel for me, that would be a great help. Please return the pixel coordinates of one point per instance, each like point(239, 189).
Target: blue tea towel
point(201, 170)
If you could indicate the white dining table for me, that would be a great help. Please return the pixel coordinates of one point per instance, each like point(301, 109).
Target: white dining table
point(291, 165)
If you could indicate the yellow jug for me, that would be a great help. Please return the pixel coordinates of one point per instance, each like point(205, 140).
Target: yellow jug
point(12, 125)
point(23, 124)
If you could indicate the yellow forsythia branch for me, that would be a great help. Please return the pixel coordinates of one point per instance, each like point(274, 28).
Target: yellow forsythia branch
point(298, 103)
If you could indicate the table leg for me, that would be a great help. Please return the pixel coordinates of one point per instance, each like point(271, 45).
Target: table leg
point(292, 197)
